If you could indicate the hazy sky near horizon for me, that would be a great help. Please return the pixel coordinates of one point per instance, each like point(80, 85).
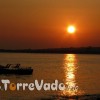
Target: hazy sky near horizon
point(42, 23)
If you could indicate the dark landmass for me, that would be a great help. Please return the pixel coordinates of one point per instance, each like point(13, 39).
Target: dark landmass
point(79, 50)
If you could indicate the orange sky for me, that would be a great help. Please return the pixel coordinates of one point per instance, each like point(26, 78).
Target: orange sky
point(42, 23)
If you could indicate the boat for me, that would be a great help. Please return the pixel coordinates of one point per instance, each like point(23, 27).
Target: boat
point(15, 69)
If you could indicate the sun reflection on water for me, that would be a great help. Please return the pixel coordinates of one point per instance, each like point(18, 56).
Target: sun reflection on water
point(70, 68)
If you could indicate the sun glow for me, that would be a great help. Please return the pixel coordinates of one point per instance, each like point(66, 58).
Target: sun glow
point(71, 29)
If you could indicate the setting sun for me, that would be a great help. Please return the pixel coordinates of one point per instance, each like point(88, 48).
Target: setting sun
point(71, 29)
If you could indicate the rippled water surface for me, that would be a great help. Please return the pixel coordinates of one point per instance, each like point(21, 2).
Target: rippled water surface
point(82, 71)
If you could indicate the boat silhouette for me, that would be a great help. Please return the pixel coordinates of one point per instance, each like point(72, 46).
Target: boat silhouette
point(15, 69)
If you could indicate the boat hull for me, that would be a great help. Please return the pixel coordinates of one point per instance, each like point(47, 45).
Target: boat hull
point(16, 71)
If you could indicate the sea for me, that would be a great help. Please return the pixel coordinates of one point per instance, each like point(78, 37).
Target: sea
point(73, 74)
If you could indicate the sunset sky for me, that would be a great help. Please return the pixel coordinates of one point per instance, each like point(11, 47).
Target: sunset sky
point(43, 23)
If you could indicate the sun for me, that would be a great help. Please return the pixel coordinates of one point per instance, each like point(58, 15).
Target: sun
point(71, 29)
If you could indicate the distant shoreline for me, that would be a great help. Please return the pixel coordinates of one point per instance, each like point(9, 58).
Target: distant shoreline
point(72, 50)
